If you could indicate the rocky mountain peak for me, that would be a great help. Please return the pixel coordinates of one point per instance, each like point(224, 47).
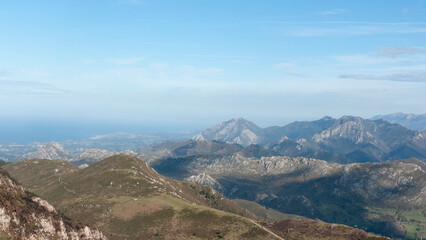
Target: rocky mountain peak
point(52, 151)
point(326, 118)
point(238, 131)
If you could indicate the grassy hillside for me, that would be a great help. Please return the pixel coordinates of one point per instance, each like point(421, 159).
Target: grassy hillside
point(38, 174)
point(126, 199)
point(307, 230)
point(267, 214)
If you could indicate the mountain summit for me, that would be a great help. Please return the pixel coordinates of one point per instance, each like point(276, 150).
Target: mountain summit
point(52, 151)
point(238, 131)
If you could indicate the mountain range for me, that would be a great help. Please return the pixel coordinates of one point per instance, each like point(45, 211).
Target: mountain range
point(345, 140)
point(408, 120)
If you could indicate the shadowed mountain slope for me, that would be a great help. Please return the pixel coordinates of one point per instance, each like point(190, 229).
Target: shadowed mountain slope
point(387, 197)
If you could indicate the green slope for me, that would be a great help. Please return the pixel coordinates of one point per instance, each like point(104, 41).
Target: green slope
point(126, 199)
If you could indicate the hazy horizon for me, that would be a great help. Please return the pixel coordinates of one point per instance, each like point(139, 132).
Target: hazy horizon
point(24, 131)
point(95, 66)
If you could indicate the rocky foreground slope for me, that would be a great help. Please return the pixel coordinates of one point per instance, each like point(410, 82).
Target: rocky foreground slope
point(26, 216)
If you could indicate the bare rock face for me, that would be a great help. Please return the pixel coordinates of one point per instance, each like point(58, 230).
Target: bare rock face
point(238, 131)
point(93, 156)
point(205, 179)
point(52, 151)
point(25, 216)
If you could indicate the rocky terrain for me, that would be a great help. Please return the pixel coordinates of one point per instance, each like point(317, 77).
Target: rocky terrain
point(361, 194)
point(26, 216)
point(239, 131)
point(408, 120)
point(114, 142)
point(345, 140)
point(92, 156)
point(55, 151)
point(50, 150)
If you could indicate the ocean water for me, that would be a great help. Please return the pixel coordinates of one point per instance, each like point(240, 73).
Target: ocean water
point(24, 131)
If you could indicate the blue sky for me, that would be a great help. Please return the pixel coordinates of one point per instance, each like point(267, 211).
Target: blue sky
point(192, 63)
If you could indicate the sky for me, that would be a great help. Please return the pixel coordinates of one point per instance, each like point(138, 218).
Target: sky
point(191, 63)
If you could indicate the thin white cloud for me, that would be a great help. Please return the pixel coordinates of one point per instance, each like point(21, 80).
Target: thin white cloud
point(125, 61)
point(29, 88)
point(332, 12)
point(364, 59)
point(397, 77)
point(344, 28)
point(399, 51)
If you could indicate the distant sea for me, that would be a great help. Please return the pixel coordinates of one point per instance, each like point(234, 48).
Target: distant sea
point(26, 131)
